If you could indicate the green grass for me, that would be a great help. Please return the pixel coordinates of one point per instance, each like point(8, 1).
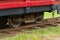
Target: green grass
point(49, 15)
point(37, 34)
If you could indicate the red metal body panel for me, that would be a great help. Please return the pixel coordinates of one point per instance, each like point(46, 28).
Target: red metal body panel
point(24, 3)
point(57, 2)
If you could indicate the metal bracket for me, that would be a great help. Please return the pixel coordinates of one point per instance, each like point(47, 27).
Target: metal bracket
point(57, 6)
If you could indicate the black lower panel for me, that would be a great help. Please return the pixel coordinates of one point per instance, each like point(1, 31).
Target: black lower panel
point(57, 6)
point(13, 11)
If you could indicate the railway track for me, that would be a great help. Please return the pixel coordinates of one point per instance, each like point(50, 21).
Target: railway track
point(52, 22)
point(43, 23)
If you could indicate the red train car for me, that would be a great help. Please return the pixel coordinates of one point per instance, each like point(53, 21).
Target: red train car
point(17, 11)
point(24, 3)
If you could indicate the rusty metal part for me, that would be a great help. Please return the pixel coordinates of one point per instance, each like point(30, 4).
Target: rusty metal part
point(15, 21)
point(39, 17)
point(32, 17)
point(29, 18)
point(43, 23)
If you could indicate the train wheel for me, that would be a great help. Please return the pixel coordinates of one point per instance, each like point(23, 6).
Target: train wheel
point(3, 21)
point(15, 21)
point(39, 17)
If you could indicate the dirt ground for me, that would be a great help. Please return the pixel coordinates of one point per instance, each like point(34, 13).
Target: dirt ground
point(54, 37)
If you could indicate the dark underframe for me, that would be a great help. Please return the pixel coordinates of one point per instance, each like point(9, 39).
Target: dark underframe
point(13, 11)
